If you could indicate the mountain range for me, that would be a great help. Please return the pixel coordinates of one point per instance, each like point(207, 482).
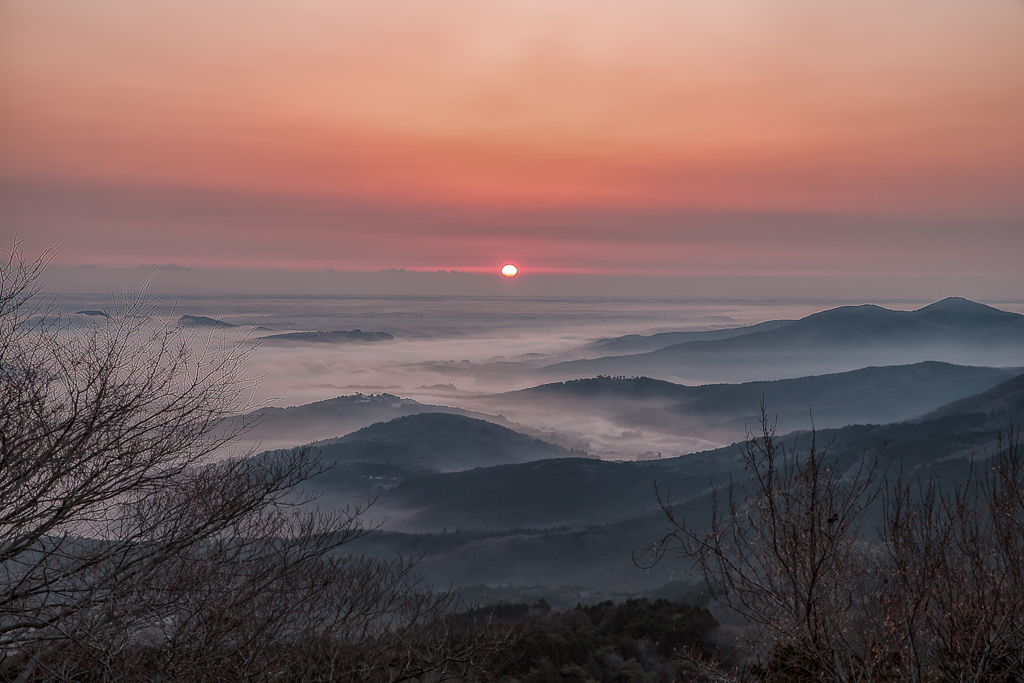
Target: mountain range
point(953, 330)
point(384, 455)
point(455, 471)
point(574, 517)
point(483, 503)
point(636, 343)
point(721, 412)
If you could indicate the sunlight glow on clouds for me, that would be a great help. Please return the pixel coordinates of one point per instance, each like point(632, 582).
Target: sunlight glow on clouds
point(475, 112)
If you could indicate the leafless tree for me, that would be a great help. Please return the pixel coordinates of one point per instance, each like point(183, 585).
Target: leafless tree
point(787, 551)
point(132, 547)
point(951, 601)
point(934, 595)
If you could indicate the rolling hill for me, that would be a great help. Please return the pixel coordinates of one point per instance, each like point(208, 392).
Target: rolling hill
point(440, 442)
point(588, 518)
point(273, 428)
point(953, 330)
point(569, 492)
point(575, 521)
point(636, 343)
point(721, 411)
point(384, 455)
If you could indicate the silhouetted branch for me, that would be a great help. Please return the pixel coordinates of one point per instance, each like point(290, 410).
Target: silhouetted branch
point(132, 547)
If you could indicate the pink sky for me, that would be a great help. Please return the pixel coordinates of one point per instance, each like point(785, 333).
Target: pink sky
point(859, 138)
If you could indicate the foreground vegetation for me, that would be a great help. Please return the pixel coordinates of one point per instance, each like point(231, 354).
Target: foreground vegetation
point(636, 641)
point(934, 593)
point(134, 547)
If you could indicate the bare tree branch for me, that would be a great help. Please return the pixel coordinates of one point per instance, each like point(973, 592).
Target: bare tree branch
point(132, 548)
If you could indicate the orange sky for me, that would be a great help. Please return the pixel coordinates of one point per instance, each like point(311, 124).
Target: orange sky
point(671, 135)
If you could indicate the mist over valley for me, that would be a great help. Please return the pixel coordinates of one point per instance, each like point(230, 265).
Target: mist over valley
point(501, 478)
point(524, 342)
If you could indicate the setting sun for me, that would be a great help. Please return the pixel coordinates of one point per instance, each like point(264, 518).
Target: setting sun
point(508, 270)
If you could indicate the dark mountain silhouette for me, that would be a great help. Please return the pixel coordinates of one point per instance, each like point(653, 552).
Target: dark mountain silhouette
point(1001, 401)
point(336, 337)
point(576, 522)
point(869, 395)
point(952, 330)
point(570, 492)
point(333, 418)
point(577, 560)
point(952, 320)
point(603, 387)
point(635, 343)
point(383, 455)
point(440, 442)
point(202, 321)
point(955, 312)
point(543, 494)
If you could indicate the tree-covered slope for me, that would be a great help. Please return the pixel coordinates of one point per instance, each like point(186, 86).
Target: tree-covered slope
point(554, 493)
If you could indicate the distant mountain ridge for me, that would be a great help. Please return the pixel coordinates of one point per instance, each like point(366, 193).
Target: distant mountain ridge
point(868, 395)
point(578, 522)
point(332, 418)
point(442, 442)
point(635, 343)
point(952, 319)
point(336, 337)
point(604, 386)
point(569, 492)
point(953, 330)
point(385, 454)
point(203, 321)
point(574, 520)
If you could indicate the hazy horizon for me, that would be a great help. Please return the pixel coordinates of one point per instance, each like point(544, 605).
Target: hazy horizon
point(326, 166)
point(172, 280)
point(875, 149)
point(328, 320)
point(455, 351)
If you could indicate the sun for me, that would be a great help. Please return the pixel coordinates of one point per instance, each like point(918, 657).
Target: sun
point(508, 270)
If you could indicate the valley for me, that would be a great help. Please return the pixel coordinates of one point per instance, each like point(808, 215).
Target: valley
point(515, 492)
